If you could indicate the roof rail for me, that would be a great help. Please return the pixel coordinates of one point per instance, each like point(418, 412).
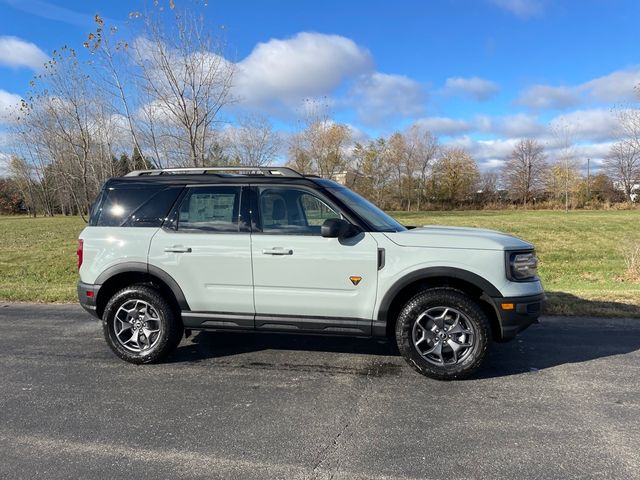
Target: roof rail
point(267, 171)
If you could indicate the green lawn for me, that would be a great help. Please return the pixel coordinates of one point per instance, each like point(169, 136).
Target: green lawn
point(38, 258)
point(581, 253)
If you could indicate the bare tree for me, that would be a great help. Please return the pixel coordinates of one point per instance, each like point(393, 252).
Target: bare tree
point(488, 186)
point(253, 141)
point(566, 161)
point(623, 165)
point(21, 173)
point(187, 81)
point(59, 129)
point(623, 162)
point(112, 74)
point(523, 173)
point(424, 148)
point(397, 156)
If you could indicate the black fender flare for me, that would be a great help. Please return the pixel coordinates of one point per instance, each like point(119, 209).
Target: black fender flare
point(141, 267)
point(433, 272)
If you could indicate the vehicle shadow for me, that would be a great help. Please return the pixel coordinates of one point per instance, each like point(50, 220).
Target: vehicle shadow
point(561, 303)
point(223, 344)
point(559, 341)
point(555, 341)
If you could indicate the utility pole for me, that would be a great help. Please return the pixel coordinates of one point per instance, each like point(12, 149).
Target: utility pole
point(588, 179)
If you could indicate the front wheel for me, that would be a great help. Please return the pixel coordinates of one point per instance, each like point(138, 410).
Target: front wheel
point(140, 326)
point(443, 334)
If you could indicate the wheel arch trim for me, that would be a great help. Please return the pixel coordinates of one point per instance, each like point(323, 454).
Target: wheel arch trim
point(144, 268)
point(432, 272)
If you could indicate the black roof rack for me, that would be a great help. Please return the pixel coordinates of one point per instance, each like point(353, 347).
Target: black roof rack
point(263, 171)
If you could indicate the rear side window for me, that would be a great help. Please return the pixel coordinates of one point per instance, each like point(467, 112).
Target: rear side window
point(210, 209)
point(134, 206)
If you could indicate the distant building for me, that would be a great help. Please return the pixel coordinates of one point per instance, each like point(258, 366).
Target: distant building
point(347, 177)
point(635, 190)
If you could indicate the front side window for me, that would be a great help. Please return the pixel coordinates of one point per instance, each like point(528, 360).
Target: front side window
point(292, 211)
point(210, 209)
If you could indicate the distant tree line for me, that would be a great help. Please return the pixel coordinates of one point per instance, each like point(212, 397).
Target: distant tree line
point(160, 101)
point(412, 170)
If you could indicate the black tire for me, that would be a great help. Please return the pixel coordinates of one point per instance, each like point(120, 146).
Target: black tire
point(161, 344)
point(463, 308)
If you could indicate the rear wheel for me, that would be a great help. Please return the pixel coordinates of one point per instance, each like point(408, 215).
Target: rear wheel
point(443, 333)
point(140, 326)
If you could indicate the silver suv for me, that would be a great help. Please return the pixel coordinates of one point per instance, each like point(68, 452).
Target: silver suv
point(268, 249)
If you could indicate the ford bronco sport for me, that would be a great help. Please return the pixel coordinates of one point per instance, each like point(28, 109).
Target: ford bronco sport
point(268, 249)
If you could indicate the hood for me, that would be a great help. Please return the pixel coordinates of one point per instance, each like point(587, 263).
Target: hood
point(457, 237)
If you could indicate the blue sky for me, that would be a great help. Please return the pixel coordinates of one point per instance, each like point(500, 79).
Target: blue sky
point(480, 73)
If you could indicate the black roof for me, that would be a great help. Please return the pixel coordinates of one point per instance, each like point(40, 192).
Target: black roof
point(218, 179)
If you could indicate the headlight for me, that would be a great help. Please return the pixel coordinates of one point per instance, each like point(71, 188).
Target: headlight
point(522, 265)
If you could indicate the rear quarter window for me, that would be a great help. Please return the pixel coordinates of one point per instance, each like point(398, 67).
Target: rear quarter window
point(134, 206)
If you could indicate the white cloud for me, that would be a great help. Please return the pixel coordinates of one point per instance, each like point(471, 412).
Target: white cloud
point(472, 87)
point(591, 125)
point(15, 52)
point(520, 8)
point(444, 125)
point(9, 104)
point(380, 96)
point(618, 86)
point(543, 97)
point(594, 151)
point(306, 65)
point(519, 125)
point(285, 76)
point(489, 154)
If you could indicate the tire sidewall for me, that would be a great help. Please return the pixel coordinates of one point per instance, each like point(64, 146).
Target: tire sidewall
point(168, 330)
point(442, 297)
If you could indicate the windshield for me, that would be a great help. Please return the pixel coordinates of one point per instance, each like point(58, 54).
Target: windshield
point(376, 218)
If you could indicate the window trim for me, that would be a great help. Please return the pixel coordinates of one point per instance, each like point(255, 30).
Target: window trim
point(244, 214)
point(256, 213)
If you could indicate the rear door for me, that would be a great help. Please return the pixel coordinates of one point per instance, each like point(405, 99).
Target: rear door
point(303, 281)
point(206, 248)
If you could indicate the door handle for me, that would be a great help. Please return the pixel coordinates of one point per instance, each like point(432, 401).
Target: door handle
point(178, 249)
point(277, 251)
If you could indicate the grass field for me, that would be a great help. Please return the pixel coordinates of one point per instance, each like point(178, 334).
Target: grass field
point(581, 253)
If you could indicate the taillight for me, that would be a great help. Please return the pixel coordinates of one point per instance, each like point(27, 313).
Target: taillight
point(79, 252)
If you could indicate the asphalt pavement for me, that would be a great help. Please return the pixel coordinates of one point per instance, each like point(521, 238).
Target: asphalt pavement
point(561, 401)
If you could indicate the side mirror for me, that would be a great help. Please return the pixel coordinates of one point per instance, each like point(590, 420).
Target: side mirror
point(338, 228)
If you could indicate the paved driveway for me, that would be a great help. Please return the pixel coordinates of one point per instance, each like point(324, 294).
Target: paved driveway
point(561, 401)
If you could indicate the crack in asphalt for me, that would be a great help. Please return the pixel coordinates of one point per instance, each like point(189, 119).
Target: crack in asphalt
point(353, 416)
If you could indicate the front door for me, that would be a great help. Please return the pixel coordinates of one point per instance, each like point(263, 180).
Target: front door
point(207, 251)
point(303, 281)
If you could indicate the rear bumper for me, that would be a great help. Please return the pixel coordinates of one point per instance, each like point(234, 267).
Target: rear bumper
point(87, 294)
point(525, 311)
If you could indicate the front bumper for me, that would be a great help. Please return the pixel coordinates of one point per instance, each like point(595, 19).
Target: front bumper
point(517, 313)
point(87, 294)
